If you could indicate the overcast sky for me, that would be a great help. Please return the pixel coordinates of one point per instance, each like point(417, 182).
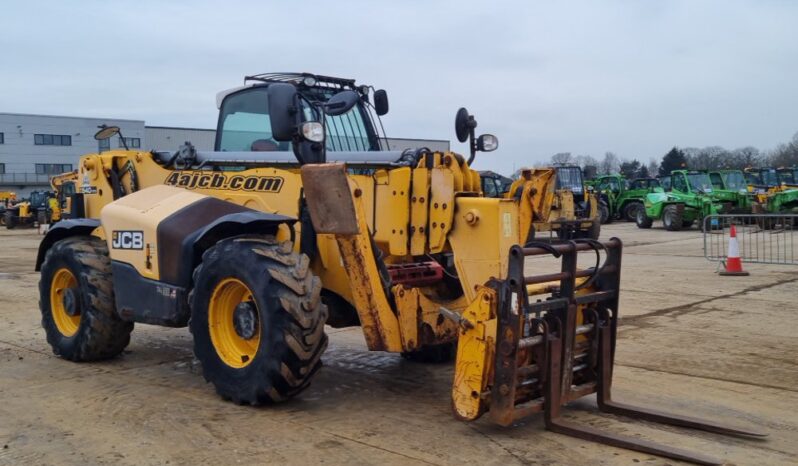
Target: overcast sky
point(632, 77)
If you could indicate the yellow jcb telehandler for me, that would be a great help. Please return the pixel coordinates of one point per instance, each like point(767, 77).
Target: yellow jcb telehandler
point(560, 204)
point(298, 218)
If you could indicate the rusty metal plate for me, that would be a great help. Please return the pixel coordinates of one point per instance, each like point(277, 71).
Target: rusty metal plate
point(329, 199)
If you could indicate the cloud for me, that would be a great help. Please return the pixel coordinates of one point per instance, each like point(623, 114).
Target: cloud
point(584, 77)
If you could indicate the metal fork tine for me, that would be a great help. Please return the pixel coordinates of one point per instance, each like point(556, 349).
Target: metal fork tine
point(647, 414)
point(606, 404)
point(555, 424)
point(630, 443)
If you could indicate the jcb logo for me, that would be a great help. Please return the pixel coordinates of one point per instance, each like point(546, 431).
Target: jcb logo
point(127, 239)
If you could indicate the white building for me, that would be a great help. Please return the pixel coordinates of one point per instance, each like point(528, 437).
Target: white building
point(33, 147)
point(169, 139)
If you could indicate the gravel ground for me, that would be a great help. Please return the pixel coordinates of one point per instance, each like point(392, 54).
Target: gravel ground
point(691, 342)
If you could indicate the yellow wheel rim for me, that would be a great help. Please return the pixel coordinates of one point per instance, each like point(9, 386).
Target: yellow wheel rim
point(234, 350)
point(63, 280)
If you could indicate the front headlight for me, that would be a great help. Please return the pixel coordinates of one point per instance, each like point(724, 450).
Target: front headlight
point(487, 143)
point(313, 131)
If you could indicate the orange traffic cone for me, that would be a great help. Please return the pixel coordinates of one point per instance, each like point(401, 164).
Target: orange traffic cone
point(734, 266)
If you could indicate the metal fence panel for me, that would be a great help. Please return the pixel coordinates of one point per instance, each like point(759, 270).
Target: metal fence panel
point(762, 238)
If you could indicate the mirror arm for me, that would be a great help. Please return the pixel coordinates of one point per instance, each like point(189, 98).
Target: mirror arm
point(473, 143)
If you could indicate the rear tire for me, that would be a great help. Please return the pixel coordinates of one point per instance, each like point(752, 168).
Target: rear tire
point(642, 220)
point(282, 353)
point(630, 211)
point(76, 276)
point(604, 214)
point(10, 220)
point(594, 231)
point(672, 217)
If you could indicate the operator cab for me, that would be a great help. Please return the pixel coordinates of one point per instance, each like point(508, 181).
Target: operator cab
point(244, 123)
point(691, 181)
point(762, 179)
point(570, 177)
point(610, 183)
point(494, 184)
point(787, 176)
point(644, 183)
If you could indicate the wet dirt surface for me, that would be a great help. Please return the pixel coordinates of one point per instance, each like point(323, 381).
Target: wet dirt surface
point(691, 342)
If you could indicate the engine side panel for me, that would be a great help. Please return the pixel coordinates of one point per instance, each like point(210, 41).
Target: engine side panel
point(131, 225)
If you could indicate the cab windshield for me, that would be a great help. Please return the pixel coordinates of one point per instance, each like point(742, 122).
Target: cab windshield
point(610, 184)
point(38, 199)
point(700, 181)
point(787, 176)
point(570, 178)
point(734, 181)
point(769, 177)
point(244, 124)
point(644, 183)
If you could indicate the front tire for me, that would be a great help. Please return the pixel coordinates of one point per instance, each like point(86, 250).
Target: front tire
point(257, 320)
point(672, 217)
point(10, 220)
point(631, 209)
point(642, 220)
point(76, 299)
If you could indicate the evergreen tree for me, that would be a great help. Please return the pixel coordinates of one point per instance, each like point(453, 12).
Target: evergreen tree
point(673, 160)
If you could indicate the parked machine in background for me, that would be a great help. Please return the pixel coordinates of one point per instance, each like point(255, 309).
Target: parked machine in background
point(788, 176)
point(771, 190)
point(730, 188)
point(562, 203)
point(65, 187)
point(688, 199)
point(7, 198)
point(623, 197)
point(30, 211)
point(494, 184)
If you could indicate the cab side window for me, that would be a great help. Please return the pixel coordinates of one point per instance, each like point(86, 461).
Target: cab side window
point(679, 183)
point(717, 182)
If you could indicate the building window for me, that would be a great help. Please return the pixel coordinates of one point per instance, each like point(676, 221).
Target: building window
point(2, 138)
point(52, 140)
point(2, 167)
point(104, 144)
point(132, 143)
point(52, 168)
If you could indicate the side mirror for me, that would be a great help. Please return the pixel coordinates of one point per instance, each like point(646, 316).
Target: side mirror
point(341, 103)
point(106, 132)
point(464, 124)
point(381, 102)
point(283, 111)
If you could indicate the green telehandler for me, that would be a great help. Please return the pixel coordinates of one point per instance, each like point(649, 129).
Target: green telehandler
point(623, 197)
point(688, 200)
point(730, 188)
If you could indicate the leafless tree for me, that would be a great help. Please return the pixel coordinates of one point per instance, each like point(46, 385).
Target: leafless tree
point(653, 167)
point(610, 164)
point(561, 158)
